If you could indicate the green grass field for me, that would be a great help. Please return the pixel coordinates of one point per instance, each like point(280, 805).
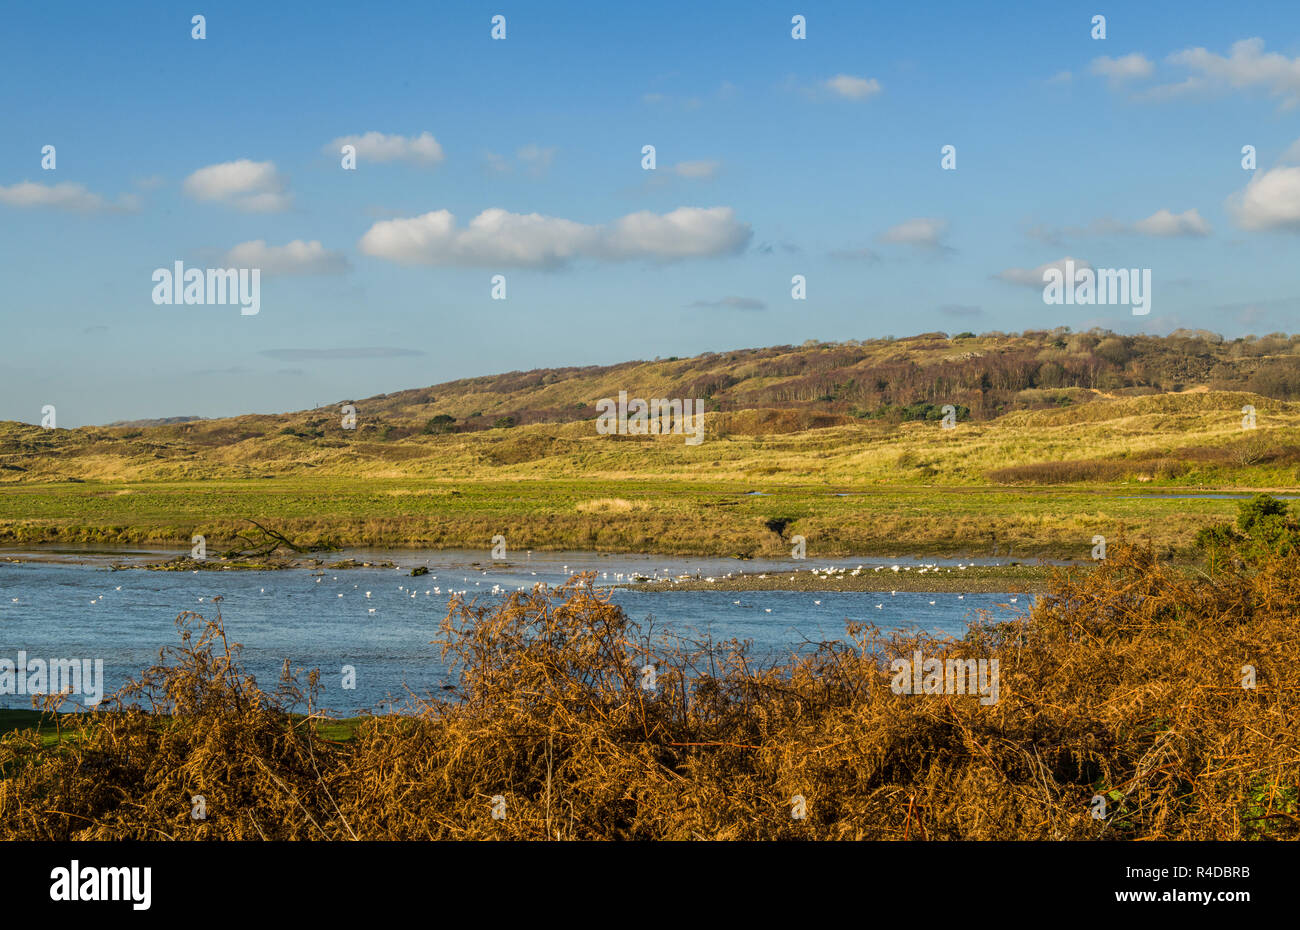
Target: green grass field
point(662, 516)
point(1029, 483)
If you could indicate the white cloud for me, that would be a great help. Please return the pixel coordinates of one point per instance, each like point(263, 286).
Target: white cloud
point(380, 147)
point(1164, 223)
point(1246, 66)
point(1161, 223)
point(1127, 68)
point(923, 232)
point(251, 186)
point(854, 88)
point(297, 257)
point(687, 232)
point(1270, 201)
point(497, 238)
point(697, 170)
point(65, 196)
point(1033, 277)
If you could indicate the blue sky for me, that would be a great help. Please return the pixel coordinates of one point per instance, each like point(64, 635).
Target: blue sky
point(775, 157)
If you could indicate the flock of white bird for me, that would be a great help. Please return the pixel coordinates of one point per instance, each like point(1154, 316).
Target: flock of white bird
point(828, 573)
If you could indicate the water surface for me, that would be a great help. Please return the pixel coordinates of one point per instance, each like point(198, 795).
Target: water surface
point(70, 604)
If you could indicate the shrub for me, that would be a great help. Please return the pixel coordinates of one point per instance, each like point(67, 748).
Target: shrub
point(442, 423)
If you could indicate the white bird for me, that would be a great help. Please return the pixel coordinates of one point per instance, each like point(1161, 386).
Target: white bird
point(880, 607)
point(961, 597)
point(768, 609)
point(318, 581)
point(340, 595)
point(932, 603)
point(818, 603)
point(372, 610)
point(734, 602)
point(118, 588)
point(1013, 600)
point(367, 594)
point(893, 593)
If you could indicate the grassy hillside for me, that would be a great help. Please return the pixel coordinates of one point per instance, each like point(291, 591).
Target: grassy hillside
point(848, 472)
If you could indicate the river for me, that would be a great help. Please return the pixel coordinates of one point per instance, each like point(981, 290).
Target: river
point(69, 604)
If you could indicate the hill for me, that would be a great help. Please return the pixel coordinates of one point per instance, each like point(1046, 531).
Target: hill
point(837, 441)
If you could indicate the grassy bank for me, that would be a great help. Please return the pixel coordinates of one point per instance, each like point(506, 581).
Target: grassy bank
point(1028, 483)
point(635, 515)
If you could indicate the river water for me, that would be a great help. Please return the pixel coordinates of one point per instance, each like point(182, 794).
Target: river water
point(70, 604)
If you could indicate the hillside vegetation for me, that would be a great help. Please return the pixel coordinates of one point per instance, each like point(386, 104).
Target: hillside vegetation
point(1057, 431)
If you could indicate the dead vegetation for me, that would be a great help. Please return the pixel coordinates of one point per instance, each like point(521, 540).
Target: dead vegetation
point(1125, 682)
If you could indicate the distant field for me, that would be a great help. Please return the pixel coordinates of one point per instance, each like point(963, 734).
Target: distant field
point(661, 516)
point(1028, 483)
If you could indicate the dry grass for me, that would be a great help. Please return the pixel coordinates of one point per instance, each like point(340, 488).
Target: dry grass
point(1125, 681)
point(612, 505)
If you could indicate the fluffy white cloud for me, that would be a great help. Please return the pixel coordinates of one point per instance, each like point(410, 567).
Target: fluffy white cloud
point(1126, 68)
point(854, 88)
point(1270, 201)
point(252, 186)
point(1164, 223)
point(64, 196)
point(1033, 277)
point(1245, 66)
point(377, 146)
point(297, 257)
point(922, 231)
point(497, 238)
